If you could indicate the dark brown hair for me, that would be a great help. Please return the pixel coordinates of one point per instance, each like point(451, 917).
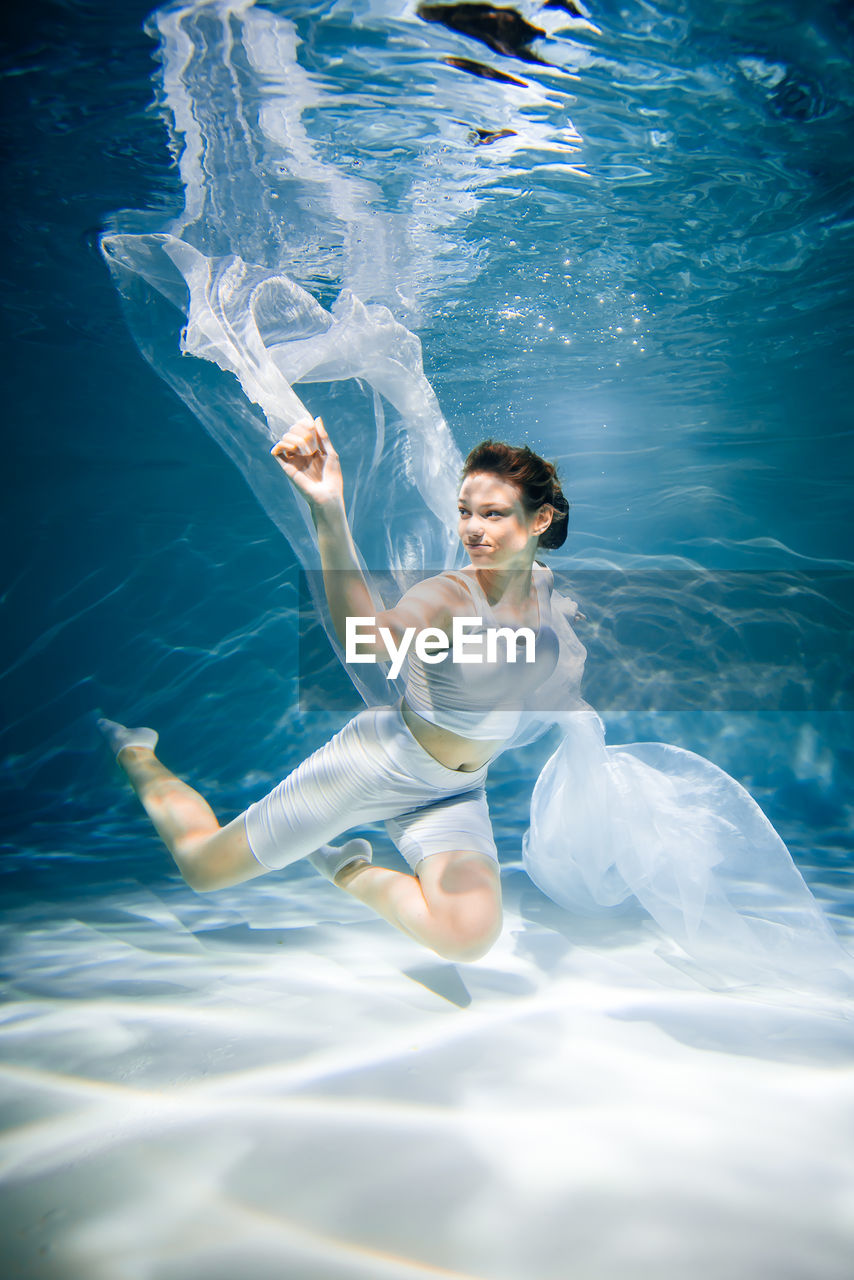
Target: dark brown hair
point(535, 479)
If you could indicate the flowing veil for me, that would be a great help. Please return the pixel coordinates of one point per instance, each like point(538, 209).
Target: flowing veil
point(217, 284)
point(224, 286)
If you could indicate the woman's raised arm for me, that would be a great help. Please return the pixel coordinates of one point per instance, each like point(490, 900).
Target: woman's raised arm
point(306, 455)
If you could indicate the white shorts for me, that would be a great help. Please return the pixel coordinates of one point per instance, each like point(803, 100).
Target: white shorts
point(372, 769)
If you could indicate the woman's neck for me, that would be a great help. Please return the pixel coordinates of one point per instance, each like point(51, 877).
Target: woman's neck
point(509, 586)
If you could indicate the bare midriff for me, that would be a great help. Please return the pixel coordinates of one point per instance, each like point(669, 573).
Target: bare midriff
point(450, 749)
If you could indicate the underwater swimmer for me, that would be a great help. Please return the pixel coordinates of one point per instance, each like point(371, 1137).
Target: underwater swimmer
point(420, 765)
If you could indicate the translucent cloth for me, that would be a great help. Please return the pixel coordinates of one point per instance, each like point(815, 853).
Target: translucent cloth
point(669, 828)
point(217, 285)
point(260, 326)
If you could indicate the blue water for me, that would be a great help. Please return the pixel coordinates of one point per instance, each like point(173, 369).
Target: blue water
point(648, 279)
point(654, 289)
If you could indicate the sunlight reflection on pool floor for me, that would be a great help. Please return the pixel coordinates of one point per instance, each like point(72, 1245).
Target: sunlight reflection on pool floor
point(279, 1084)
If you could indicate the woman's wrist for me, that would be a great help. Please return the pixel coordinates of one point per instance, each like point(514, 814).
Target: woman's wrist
point(334, 539)
point(329, 514)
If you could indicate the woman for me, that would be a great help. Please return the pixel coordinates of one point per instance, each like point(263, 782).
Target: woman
point(420, 765)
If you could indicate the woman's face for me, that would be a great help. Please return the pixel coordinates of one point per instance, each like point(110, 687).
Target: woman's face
point(494, 526)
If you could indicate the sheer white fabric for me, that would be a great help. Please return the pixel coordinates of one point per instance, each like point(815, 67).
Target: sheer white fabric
point(665, 826)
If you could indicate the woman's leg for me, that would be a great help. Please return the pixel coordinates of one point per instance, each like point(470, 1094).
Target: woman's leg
point(207, 855)
point(452, 905)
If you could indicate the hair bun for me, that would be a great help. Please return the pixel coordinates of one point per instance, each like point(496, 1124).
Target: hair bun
point(555, 535)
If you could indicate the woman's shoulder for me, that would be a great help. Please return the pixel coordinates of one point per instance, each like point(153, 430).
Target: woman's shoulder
point(543, 576)
point(459, 582)
point(462, 591)
point(559, 602)
point(449, 583)
point(438, 597)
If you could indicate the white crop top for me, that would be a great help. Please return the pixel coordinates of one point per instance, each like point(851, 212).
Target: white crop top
point(482, 700)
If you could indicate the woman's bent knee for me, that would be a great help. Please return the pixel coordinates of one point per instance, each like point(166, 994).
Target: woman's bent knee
point(463, 893)
point(470, 940)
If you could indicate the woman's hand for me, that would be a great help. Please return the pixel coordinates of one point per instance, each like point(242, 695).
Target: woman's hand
point(306, 456)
